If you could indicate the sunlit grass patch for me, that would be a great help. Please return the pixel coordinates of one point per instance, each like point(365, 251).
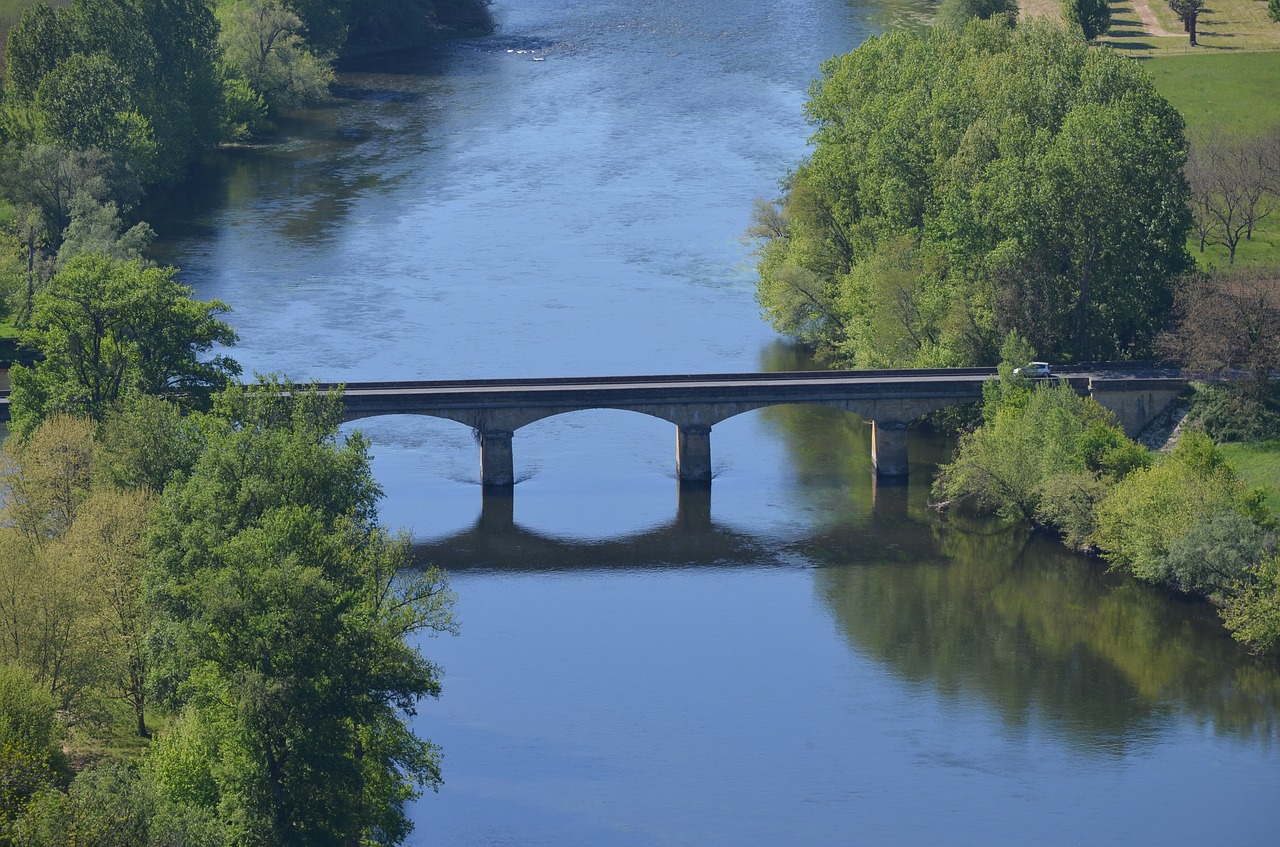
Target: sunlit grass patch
point(1259, 466)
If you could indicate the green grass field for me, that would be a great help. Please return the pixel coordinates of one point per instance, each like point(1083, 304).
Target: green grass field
point(1259, 466)
point(1234, 91)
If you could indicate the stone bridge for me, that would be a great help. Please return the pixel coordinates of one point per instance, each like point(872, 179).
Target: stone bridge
point(889, 400)
point(695, 403)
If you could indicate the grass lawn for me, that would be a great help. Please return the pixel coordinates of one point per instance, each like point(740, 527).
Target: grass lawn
point(1238, 91)
point(1233, 91)
point(1224, 27)
point(1259, 466)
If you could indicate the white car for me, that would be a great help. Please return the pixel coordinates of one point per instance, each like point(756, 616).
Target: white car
point(1034, 370)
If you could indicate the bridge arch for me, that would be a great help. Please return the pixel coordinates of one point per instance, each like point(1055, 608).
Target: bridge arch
point(495, 428)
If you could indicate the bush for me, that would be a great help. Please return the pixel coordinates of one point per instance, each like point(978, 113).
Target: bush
point(1228, 413)
point(30, 757)
point(1187, 523)
point(1253, 612)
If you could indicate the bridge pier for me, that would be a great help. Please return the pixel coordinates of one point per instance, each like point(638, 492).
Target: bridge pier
point(497, 467)
point(889, 448)
point(693, 455)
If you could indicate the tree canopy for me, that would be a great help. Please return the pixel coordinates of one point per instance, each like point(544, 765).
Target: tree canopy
point(108, 328)
point(969, 182)
point(281, 611)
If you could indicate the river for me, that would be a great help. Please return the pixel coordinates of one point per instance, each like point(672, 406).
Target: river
point(800, 657)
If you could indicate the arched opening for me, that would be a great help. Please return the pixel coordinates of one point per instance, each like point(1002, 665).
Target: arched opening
point(597, 473)
point(428, 470)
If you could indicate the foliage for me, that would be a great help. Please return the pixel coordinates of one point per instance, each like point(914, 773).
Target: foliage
point(112, 805)
point(143, 442)
point(109, 328)
point(262, 45)
point(281, 615)
point(71, 558)
point(1229, 414)
point(956, 13)
point(1092, 17)
point(1157, 522)
point(1252, 612)
point(957, 190)
point(135, 79)
point(1033, 437)
point(30, 756)
point(97, 228)
point(49, 622)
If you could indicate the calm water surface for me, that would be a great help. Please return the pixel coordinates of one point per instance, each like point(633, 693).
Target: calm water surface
point(799, 658)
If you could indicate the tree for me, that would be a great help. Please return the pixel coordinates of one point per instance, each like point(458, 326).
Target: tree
point(134, 79)
point(1228, 326)
point(957, 191)
point(1273, 10)
point(281, 616)
point(1093, 17)
point(1158, 522)
point(1252, 611)
point(1188, 11)
point(30, 756)
point(106, 543)
point(957, 13)
point(113, 805)
point(1232, 186)
point(50, 621)
point(262, 44)
point(50, 178)
point(108, 328)
point(96, 228)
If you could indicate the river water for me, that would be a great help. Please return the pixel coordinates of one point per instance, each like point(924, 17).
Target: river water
point(800, 657)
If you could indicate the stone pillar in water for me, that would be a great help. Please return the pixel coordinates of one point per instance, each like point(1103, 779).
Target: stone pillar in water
point(693, 455)
point(497, 468)
point(889, 448)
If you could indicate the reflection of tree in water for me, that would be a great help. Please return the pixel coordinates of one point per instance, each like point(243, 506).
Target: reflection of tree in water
point(974, 607)
point(1048, 637)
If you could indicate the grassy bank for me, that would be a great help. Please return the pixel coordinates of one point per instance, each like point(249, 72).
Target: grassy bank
point(1259, 466)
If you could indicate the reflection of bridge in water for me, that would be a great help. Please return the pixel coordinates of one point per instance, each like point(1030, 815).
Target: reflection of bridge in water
point(496, 542)
point(890, 400)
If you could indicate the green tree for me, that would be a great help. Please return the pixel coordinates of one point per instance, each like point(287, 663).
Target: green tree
point(113, 805)
point(1160, 522)
point(30, 754)
point(135, 79)
point(262, 44)
point(109, 328)
point(1092, 17)
point(1032, 438)
point(1252, 610)
point(96, 228)
point(50, 613)
point(281, 616)
point(957, 13)
point(957, 190)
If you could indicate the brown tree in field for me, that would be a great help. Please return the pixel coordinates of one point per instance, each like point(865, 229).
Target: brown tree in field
point(1235, 184)
point(1229, 326)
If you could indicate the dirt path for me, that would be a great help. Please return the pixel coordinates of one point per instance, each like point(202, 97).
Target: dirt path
point(1149, 22)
